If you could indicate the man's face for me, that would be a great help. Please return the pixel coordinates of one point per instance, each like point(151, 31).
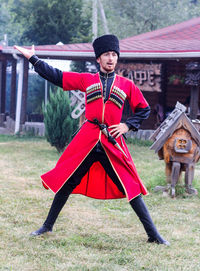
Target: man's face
point(107, 61)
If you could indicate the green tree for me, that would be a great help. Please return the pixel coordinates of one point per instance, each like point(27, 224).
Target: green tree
point(4, 18)
point(13, 30)
point(129, 18)
point(50, 21)
point(59, 126)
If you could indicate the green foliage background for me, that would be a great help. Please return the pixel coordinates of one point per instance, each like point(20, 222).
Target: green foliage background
point(129, 18)
point(51, 21)
point(44, 21)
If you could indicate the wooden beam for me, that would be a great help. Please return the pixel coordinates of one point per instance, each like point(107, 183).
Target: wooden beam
point(13, 90)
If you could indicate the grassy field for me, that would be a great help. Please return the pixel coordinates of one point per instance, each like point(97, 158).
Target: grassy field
point(90, 235)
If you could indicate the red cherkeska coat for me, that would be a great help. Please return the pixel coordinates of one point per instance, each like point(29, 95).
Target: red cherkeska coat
point(96, 183)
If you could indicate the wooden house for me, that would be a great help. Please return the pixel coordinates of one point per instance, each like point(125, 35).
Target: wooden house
point(156, 61)
point(177, 141)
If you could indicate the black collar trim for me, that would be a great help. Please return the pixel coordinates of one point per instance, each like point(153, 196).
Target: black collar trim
point(107, 75)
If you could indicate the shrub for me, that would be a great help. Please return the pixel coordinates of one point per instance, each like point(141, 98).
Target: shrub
point(59, 125)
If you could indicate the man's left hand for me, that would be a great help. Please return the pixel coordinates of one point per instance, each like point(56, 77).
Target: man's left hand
point(118, 129)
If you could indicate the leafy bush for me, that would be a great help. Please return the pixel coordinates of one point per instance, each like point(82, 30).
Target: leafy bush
point(59, 125)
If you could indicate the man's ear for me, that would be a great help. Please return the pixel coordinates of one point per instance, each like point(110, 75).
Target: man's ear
point(98, 60)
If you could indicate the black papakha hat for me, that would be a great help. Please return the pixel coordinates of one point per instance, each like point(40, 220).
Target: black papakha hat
point(105, 44)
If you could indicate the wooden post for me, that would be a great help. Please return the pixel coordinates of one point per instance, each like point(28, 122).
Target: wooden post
point(193, 79)
point(19, 94)
point(174, 176)
point(194, 102)
point(189, 174)
point(13, 90)
point(3, 87)
point(24, 92)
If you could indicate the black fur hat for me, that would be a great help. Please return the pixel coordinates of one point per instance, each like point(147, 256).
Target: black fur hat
point(106, 43)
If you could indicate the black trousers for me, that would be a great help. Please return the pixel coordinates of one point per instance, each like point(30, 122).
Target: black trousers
point(97, 154)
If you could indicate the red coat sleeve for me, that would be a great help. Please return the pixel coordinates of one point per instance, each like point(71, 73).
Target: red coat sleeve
point(74, 81)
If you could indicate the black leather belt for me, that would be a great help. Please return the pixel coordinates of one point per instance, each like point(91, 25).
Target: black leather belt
point(104, 128)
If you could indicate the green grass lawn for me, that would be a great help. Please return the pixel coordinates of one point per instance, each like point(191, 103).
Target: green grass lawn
point(90, 235)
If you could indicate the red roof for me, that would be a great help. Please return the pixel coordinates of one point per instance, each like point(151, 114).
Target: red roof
point(66, 47)
point(185, 30)
point(180, 37)
point(179, 40)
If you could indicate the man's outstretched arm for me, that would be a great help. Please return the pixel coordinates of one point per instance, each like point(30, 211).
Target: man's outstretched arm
point(46, 71)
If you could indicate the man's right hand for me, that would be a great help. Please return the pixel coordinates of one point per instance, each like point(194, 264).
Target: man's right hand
point(28, 53)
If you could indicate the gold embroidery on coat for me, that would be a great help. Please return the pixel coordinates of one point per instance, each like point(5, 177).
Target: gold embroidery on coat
point(120, 92)
point(93, 98)
point(93, 87)
point(116, 102)
point(93, 92)
point(118, 96)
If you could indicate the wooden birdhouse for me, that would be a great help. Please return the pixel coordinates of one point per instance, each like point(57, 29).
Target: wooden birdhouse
point(177, 141)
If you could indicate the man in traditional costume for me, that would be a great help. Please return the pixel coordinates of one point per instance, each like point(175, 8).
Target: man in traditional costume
point(97, 162)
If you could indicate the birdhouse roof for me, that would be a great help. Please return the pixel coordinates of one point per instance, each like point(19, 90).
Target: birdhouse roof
point(176, 119)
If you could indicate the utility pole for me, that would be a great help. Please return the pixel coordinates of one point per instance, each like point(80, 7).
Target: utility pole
point(94, 19)
point(103, 16)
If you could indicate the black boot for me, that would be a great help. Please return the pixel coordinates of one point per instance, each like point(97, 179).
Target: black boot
point(142, 212)
point(57, 205)
point(40, 231)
